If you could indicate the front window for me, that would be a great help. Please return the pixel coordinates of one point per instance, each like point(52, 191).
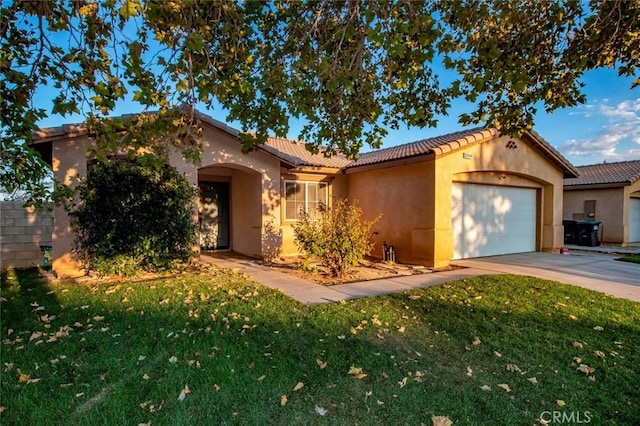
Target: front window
point(304, 196)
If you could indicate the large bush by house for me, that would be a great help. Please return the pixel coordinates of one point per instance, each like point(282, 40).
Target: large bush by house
point(133, 216)
point(340, 239)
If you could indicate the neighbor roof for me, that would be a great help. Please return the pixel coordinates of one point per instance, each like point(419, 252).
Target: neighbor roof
point(622, 173)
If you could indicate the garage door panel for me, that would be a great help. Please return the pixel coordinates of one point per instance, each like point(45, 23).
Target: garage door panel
point(492, 220)
point(634, 220)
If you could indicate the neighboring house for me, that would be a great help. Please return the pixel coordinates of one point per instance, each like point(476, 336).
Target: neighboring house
point(467, 194)
point(609, 193)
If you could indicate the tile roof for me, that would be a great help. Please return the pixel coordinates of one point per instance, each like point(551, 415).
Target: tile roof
point(296, 154)
point(439, 144)
point(624, 172)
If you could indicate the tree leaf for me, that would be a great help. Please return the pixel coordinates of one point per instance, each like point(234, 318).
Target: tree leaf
point(298, 386)
point(320, 411)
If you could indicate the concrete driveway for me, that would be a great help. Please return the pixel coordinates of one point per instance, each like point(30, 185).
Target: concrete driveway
point(600, 272)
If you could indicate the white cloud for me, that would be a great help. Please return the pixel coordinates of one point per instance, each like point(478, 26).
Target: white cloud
point(616, 140)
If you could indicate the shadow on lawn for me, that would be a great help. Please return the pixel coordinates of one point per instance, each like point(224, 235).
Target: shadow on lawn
point(25, 295)
point(240, 347)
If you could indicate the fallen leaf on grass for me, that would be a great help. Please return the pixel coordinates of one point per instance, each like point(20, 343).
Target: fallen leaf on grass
point(173, 359)
point(533, 380)
point(498, 354)
point(441, 421)
point(402, 383)
point(183, 393)
point(321, 364)
point(22, 378)
point(560, 403)
point(2, 407)
point(505, 387)
point(485, 387)
point(469, 371)
point(592, 378)
point(283, 400)
point(261, 378)
point(321, 411)
point(145, 377)
point(573, 317)
point(357, 373)
point(98, 318)
point(577, 345)
point(584, 368)
point(476, 341)
point(512, 368)
point(599, 354)
point(298, 386)
point(598, 328)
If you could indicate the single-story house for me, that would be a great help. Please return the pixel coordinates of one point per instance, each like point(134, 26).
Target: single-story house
point(466, 194)
point(608, 193)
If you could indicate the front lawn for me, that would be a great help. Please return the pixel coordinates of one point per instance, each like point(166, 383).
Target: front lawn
point(216, 348)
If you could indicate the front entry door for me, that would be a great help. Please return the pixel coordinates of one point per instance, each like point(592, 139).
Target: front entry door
point(214, 215)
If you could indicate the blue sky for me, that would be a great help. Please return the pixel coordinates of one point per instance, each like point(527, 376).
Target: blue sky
point(606, 128)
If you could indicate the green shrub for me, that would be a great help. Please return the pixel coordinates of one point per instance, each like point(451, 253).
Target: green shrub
point(133, 216)
point(339, 239)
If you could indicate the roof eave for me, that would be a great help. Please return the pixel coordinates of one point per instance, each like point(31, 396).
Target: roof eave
point(569, 171)
point(596, 186)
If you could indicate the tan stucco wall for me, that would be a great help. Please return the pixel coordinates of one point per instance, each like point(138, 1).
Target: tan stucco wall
point(69, 164)
point(416, 198)
point(612, 209)
point(404, 196)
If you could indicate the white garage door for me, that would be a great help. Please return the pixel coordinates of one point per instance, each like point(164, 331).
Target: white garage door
point(634, 220)
point(490, 220)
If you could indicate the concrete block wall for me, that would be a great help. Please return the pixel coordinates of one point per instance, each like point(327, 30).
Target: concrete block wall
point(22, 232)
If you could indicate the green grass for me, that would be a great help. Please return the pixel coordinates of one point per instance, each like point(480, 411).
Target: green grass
point(633, 258)
point(124, 353)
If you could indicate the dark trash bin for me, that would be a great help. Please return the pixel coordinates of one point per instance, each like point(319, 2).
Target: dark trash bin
point(587, 233)
point(569, 231)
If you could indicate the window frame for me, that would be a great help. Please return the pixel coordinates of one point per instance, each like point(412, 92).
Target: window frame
point(306, 195)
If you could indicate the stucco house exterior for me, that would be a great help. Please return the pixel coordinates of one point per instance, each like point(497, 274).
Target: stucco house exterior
point(466, 194)
point(609, 193)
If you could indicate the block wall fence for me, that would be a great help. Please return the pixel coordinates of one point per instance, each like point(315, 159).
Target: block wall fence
point(23, 231)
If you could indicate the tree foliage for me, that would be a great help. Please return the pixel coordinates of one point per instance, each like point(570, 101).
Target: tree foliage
point(350, 70)
point(133, 216)
point(340, 239)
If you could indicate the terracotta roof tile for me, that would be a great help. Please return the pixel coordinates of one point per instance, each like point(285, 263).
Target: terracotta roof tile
point(624, 172)
point(439, 144)
point(296, 154)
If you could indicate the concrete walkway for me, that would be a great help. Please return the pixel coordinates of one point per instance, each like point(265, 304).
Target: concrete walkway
point(311, 293)
point(593, 271)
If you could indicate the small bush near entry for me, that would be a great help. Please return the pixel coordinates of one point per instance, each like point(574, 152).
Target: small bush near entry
point(133, 216)
point(340, 239)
